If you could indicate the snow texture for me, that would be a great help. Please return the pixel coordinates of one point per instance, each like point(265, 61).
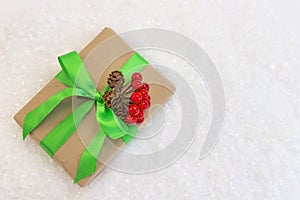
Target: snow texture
point(258, 154)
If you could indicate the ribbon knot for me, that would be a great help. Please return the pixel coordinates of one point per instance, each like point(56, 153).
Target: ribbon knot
point(98, 96)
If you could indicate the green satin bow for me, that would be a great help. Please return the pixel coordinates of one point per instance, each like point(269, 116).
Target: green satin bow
point(75, 76)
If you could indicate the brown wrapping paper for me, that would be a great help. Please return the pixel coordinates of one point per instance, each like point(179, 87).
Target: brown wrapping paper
point(102, 55)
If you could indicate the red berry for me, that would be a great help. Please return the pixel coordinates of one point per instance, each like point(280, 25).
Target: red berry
point(144, 93)
point(133, 110)
point(145, 86)
point(136, 97)
point(140, 120)
point(136, 84)
point(136, 76)
point(130, 119)
point(144, 104)
point(148, 98)
point(140, 115)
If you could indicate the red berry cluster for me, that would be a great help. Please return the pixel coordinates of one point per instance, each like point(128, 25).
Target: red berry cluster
point(139, 100)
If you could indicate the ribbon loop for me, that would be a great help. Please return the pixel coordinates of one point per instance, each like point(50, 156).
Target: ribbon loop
point(75, 72)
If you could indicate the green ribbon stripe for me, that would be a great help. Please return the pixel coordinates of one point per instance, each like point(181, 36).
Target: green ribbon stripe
point(79, 83)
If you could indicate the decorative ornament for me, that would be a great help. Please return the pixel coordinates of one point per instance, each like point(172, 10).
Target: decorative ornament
point(130, 101)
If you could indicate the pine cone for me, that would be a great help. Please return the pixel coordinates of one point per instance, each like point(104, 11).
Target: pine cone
point(115, 99)
point(118, 107)
point(121, 113)
point(114, 78)
point(107, 98)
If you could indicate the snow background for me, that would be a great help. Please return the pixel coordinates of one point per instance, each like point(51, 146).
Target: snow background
point(254, 45)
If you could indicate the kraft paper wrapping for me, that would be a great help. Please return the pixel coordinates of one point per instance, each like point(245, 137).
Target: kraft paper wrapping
point(105, 53)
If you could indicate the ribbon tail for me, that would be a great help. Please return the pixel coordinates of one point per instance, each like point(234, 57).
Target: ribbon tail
point(88, 161)
point(110, 124)
point(64, 130)
point(36, 116)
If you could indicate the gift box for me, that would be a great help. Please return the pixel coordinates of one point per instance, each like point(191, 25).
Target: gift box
point(104, 54)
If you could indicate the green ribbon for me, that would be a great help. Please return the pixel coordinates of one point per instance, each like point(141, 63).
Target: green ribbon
point(75, 76)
